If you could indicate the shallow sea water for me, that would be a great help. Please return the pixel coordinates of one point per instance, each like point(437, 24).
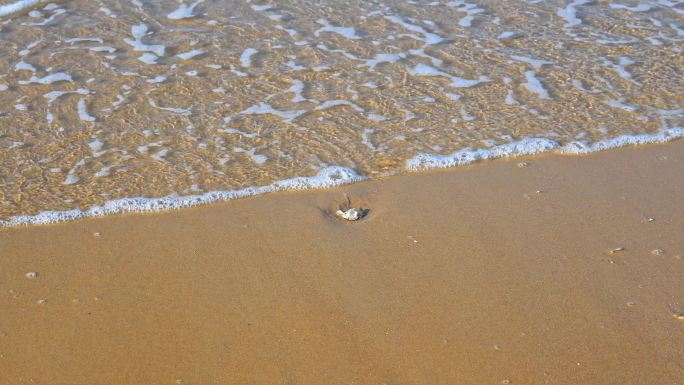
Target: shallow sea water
point(104, 100)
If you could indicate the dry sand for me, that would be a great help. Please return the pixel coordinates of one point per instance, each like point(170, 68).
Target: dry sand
point(467, 276)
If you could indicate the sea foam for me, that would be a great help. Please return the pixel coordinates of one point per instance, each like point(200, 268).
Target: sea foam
point(531, 146)
point(326, 177)
point(336, 176)
point(17, 6)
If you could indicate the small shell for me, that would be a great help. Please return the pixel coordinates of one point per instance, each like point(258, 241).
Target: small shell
point(657, 251)
point(32, 274)
point(351, 215)
point(42, 301)
point(617, 250)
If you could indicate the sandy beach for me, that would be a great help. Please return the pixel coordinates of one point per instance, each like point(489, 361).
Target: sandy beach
point(543, 270)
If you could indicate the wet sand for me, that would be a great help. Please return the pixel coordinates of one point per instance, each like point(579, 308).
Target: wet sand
point(493, 273)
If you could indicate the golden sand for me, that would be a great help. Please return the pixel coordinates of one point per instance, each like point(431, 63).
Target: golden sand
point(535, 273)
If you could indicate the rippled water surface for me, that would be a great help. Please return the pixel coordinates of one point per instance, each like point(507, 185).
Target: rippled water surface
point(101, 100)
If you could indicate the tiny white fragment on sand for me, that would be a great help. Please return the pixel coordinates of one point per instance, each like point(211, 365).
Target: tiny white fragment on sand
point(657, 251)
point(523, 164)
point(42, 301)
point(678, 316)
point(32, 274)
point(617, 250)
point(96, 234)
point(351, 214)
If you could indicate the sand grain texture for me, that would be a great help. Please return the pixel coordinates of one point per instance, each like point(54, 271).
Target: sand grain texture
point(467, 276)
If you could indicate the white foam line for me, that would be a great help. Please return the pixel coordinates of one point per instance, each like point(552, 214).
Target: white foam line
point(620, 67)
point(429, 38)
point(638, 8)
point(348, 32)
point(336, 176)
point(383, 58)
point(535, 63)
point(265, 108)
point(48, 79)
point(457, 82)
point(52, 17)
point(84, 39)
point(338, 102)
point(535, 86)
point(262, 7)
point(256, 158)
point(246, 57)
point(138, 31)
point(17, 6)
point(297, 88)
point(184, 11)
point(24, 66)
point(181, 111)
point(190, 54)
point(83, 112)
point(569, 13)
point(326, 177)
point(531, 146)
point(468, 8)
